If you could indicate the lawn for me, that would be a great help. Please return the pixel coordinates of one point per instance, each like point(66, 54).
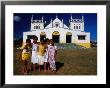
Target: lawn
point(69, 62)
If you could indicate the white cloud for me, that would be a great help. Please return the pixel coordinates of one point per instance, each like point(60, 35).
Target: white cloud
point(17, 18)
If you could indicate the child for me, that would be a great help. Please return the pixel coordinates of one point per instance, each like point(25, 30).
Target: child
point(52, 51)
point(25, 58)
point(34, 57)
point(25, 55)
point(46, 55)
point(41, 53)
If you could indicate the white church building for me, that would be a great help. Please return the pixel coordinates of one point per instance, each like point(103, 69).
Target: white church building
point(60, 32)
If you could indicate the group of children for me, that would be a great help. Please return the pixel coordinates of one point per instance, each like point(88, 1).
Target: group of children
point(43, 54)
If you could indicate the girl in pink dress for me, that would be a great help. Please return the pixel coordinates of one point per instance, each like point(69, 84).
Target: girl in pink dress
point(52, 51)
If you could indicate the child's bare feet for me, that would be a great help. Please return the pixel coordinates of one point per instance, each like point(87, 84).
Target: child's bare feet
point(39, 70)
point(25, 73)
point(48, 68)
point(45, 70)
point(34, 71)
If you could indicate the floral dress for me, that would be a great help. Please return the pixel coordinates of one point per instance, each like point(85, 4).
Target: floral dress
point(51, 55)
point(25, 55)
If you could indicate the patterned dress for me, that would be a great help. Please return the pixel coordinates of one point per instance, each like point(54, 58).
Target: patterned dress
point(34, 57)
point(25, 55)
point(51, 54)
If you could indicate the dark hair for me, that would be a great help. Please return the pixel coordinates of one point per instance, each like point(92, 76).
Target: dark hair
point(45, 40)
point(25, 47)
point(35, 37)
point(42, 40)
point(28, 40)
point(51, 40)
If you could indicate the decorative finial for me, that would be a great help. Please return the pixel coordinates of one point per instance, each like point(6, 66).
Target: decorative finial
point(69, 20)
point(42, 18)
point(56, 16)
point(62, 20)
point(71, 17)
point(51, 20)
point(82, 17)
point(45, 22)
point(32, 17)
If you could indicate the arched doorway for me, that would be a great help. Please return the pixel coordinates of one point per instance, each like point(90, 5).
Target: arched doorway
point(55, 36)
point(42, 36)
point(68, 37)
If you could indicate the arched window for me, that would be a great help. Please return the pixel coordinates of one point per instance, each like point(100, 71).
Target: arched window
point(42, 36)
point(76, 27)
point(56, 24)
point(68, 37)
point(37, 27)
point(56, 36)
point(34, 27)
point(79, 27)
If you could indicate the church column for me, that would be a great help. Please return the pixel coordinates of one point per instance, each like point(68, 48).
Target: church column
point(62, 23)
point(82, 22)
point(62, 37)
point(38, 37)
point(51, 23)
point(48, 34)
point(24, 36)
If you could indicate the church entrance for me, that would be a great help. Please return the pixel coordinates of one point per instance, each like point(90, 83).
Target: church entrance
point(30, 36)
point(56, 37)
point(68, 37)
point(42, 36)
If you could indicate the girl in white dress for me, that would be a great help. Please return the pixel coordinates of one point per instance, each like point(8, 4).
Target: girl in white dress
point(34, 57)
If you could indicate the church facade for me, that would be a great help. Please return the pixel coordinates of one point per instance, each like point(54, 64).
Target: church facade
point(60, 32)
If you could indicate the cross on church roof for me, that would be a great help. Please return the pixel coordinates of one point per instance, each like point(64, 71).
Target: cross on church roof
point(56, 16)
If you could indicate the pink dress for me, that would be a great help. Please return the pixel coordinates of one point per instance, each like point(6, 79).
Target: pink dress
point(51, 58)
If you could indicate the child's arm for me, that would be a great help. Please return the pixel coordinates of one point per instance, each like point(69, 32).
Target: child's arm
point(45, 47)
point(38, 48)
point(55, 52)
point(20, 56)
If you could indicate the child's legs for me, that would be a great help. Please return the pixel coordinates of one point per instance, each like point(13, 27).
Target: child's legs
point(39, 67)
point(31, 65)
point(54, 66)
point(34, 66)
point(48, 66)
point(45, 64)
point(25, 66)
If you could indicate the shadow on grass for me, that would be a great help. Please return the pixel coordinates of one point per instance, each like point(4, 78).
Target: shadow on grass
point(59, 65)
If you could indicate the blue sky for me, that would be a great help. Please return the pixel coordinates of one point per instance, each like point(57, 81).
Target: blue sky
point(22, 21)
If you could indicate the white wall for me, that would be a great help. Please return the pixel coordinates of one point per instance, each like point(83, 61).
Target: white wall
point(62, 33)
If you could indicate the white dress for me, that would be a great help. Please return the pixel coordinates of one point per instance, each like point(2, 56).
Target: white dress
point(46, 55)
point(34, 57)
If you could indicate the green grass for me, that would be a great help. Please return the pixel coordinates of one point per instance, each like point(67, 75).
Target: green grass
point(69, 62)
